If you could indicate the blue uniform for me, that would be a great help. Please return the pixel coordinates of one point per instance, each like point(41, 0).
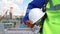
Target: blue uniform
point(33, 4)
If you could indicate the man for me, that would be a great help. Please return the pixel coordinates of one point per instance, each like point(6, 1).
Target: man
point(52, 22)
point(34, 4)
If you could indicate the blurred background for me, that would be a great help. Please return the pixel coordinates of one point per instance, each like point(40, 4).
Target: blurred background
point(12, 12)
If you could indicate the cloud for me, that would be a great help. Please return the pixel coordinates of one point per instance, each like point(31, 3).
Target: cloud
point(16, 4)
point(5, 1)
point(16, 11)
point(16, 1)
point(19, 1)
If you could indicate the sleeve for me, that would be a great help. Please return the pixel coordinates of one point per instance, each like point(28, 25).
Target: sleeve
point(26, 17)
point(39, 3)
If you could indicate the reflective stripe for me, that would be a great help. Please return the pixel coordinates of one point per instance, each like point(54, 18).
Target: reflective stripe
point(52, 22)
point(57, 7)
point(51, 4)
point(52, 7)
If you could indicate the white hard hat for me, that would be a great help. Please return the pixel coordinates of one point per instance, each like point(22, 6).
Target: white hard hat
point(35, 14)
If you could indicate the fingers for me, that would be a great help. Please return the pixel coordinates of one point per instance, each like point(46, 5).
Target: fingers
point(29, 24)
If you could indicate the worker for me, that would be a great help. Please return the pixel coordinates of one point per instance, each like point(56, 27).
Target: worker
point(34, 4)
point(52, 22)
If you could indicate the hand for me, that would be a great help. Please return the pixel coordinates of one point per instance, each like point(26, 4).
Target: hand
point(29, 24)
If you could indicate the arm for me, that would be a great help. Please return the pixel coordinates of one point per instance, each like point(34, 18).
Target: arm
point(26, 17)
point(33, 4)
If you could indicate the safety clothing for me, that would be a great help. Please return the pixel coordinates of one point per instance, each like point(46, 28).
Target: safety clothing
point(52, 22)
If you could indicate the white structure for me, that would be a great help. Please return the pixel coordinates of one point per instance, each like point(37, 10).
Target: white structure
point(19, 31)
point(1, 28)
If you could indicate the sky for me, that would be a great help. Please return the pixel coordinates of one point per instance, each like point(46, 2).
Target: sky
point(21, 6)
